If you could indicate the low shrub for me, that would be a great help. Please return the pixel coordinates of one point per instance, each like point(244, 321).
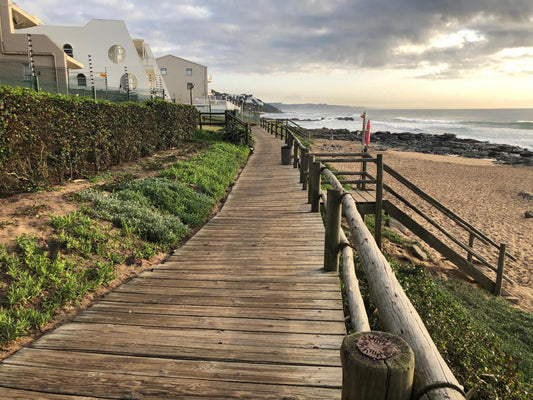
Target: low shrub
point(46, 139)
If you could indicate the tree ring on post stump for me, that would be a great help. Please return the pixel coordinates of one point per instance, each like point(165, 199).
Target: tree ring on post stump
point(376, 347)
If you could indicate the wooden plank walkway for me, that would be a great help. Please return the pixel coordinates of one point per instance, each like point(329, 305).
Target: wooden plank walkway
point(242, 311)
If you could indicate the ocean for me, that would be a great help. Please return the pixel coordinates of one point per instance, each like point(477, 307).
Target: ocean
point(506, 126)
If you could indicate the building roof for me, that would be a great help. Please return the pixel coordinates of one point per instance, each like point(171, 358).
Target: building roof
point(182, 59)
point(21, 19)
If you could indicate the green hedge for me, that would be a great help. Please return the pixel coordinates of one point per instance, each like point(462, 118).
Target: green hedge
point(45, 139)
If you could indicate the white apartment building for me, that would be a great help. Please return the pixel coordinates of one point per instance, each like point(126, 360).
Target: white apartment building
point(112, 59)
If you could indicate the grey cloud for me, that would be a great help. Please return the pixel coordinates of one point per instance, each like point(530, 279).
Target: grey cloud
point(271, 36)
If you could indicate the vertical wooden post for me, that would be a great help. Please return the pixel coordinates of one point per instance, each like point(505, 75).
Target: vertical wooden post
point(248, 131)
point(315, 178)
point(385, 373)
point(363, 176)
point(471, 238)
point(200, 120)
point(499, 274)
point(379, 200)
point(333, 230)
point(307, 177)
point(296, 148)
point(303, 163)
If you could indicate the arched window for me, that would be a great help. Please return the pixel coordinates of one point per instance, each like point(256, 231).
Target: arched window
point(82, 80)
point(128, 82)
point(68, 50)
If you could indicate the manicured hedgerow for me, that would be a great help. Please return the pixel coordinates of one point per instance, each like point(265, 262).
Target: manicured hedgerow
point(46, 139)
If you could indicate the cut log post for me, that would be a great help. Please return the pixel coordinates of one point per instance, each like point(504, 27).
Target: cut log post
point(379, 200)
point(307, 181)
point(304, 169)
point(432, 375)
point(296, 149)
point(315, 179)
point(471, 238)
point(499, 273)
point(333, 230)
point(376, 365)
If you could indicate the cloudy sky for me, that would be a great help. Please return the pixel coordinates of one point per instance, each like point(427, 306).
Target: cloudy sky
point(372, 53)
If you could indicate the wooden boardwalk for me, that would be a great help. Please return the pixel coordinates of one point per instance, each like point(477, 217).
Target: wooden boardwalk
point(242, 311)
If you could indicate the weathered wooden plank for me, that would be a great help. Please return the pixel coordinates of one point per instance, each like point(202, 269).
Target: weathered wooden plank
point(217, 345)
point(235, 285)
point(112, 385)
point(202, 322)
point(299, 375)
point(22, 394)
point(293, 314)
point(304, 277)
point(133, 287)
point(207, 300)
point(74, 333)
point(315, 277)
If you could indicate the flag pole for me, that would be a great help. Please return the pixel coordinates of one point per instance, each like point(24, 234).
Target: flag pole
point(363, 146)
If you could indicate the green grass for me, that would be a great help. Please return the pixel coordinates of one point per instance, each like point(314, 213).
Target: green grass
point(125, 220)
point(210, 172)
point(513, 326)
point(486, 342)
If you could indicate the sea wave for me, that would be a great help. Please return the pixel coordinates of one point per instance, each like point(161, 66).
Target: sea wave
point(426, 121)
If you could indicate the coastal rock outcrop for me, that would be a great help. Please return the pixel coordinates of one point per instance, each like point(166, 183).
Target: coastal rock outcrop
point(445, 144)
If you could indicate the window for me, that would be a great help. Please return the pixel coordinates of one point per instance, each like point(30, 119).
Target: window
point(188, 71)
point(128, 82)
point(26, 71)
point(117, 54)
point(82, 80)
point(68, 50)
point(163, 71)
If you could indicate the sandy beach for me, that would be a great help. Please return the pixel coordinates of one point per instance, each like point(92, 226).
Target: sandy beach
point(483, 193)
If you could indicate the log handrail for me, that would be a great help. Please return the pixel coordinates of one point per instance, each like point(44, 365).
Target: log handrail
point(397, 312)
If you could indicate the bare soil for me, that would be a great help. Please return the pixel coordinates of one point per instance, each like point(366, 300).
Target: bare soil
point(30, 213)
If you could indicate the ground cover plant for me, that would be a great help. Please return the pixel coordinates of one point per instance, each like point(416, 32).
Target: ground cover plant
point(486, 342)
point(121, 220)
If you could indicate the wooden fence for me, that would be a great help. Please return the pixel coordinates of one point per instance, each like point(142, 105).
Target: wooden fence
point(432, 377)
point(378, 203)
point(212, 118)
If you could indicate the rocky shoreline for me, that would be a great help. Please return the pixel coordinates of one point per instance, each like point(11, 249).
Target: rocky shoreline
point(445, 144)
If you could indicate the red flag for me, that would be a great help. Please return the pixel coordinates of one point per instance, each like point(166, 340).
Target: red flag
point(367, 133)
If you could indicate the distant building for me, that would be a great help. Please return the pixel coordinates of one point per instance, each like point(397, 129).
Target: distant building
point(50, 62)
point(112, 59)
point(186, 80)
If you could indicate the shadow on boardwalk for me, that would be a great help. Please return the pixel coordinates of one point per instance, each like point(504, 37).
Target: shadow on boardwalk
point(242, 311)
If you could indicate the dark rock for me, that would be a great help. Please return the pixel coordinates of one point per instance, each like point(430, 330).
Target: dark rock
point(445, 144)
point(529, 214)
point(419, 253)
point(526, 195)
point(392, 223)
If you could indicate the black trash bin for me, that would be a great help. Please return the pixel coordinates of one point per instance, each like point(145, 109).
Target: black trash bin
point(286, 155)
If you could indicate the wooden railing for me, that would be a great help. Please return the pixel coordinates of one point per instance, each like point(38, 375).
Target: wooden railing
point(212, 118)
point(432, 377)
